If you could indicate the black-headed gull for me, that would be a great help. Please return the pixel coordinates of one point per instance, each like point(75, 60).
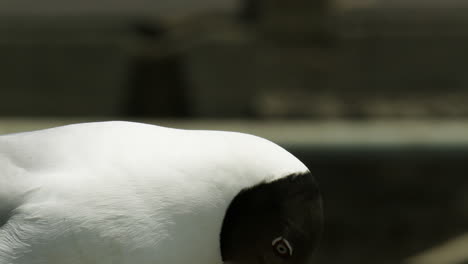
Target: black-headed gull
point(131, 193)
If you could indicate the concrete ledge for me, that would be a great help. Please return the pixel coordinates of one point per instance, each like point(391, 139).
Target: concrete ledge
point(452, 252)
point(415, 133)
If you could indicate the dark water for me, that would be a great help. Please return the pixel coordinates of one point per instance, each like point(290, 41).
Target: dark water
point(384, 204)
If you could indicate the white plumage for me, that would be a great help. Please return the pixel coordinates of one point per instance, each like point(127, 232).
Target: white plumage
point(125, 193)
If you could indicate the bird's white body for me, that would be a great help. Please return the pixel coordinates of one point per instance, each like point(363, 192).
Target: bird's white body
point(126, 193)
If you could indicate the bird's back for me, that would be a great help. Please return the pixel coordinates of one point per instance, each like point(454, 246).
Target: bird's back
point(120, 192)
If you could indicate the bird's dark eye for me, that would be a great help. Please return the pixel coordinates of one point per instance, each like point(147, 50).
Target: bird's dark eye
point(282, 247)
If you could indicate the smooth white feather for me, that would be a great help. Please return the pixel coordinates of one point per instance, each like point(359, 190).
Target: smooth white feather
point(125, 193)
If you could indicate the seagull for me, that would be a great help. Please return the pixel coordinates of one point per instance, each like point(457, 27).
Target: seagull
point(123, 193)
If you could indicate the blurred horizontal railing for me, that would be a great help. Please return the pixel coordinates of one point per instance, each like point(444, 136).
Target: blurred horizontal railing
point(302, 133)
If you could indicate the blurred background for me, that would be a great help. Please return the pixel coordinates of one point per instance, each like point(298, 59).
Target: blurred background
point(370, 94)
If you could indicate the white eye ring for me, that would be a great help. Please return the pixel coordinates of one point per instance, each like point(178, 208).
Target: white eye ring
point(282, 246)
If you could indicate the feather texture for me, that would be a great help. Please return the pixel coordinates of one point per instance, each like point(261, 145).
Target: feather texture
point(124, 193)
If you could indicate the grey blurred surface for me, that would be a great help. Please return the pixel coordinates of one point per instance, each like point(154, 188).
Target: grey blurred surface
point(168, 9)
point(63, 66)
point(293, 59)
point(302, 133)
point(452, 251)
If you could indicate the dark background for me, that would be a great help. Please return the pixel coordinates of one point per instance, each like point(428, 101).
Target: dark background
point(379, 89)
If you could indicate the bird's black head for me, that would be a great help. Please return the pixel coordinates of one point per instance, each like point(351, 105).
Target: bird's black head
point(274, 223)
